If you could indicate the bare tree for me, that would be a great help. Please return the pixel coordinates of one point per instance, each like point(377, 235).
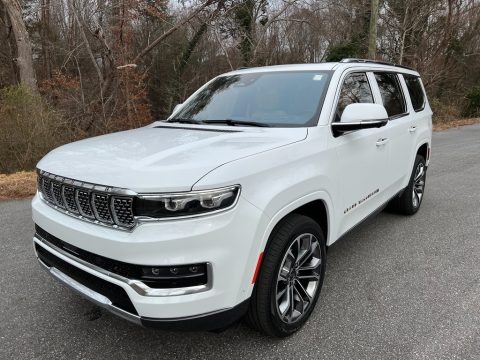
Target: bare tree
point(372, 32)
point(23, 59)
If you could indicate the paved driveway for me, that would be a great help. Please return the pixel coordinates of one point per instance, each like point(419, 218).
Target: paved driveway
point(397, 287)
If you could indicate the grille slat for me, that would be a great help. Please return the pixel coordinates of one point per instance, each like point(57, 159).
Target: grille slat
point(85, 200)
point(83, 203)
point(57, 194)
point(69, 199)
point(47, 189)
point(122, 210)
point(101, 207)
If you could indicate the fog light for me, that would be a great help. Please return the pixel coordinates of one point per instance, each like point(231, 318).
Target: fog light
point(174, 271)
point(193, 269)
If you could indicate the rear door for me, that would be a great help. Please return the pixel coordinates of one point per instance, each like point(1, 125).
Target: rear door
point(401, 142)
point(420, 112)
point(362, 157)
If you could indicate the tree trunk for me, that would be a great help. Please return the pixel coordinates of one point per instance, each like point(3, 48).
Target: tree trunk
point(45, 35)
point(372, 32)
point(24, 60)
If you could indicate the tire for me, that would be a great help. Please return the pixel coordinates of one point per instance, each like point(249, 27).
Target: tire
point(410, 200)
point(302, 274)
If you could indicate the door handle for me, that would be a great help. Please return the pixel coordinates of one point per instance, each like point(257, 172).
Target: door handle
point(381, 141)
point(412, 129)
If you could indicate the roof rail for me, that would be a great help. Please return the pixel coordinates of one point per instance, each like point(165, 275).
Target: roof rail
point(367, 61)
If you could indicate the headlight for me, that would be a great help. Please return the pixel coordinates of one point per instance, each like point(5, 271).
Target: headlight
point(186, 204)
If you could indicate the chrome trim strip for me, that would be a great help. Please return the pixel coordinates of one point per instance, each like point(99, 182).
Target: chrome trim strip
point(136, 285)
point(193, 192)
point(87, 185)
point(89, 294)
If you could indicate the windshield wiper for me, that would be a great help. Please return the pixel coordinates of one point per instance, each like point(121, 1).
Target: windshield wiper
point(236, 122)
point(184, 121)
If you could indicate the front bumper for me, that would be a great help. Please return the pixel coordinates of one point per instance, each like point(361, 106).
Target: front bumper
point(209, 321)
point(225, 241)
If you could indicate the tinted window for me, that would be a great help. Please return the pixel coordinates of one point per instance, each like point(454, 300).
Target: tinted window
point(290, 98)
point(415, 90)
point(355, 89)
point(391, 92)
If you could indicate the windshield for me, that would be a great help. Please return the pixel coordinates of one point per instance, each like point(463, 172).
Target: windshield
point(281, 99)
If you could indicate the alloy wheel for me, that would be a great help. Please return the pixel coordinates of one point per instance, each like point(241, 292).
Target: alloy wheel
point(418, 185)
point(298, 278)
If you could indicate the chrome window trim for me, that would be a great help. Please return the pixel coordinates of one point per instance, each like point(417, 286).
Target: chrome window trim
point(136, 285)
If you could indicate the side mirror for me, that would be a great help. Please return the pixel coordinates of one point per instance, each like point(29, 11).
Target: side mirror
point(360, 116)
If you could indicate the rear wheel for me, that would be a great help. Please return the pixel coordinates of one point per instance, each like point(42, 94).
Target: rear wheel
point(409, 202)
point(290, 278)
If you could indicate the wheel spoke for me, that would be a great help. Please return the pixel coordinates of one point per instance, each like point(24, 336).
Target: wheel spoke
point(310, 277)
point(281, 293)
point(419, 173)
point(418, 194)
point(305, 248)
point(306, 257)
point(302, 300)
point(292, 302)
point(284, 305)
point(302, 292)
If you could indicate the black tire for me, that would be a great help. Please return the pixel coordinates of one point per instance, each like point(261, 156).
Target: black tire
point(264, 313)
point(408, 202)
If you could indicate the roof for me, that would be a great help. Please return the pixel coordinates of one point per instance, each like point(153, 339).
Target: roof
point(328, 66)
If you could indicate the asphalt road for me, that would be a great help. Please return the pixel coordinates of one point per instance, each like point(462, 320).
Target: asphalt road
point(396, 288)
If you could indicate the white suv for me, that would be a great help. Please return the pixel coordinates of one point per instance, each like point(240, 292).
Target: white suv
point(226, 209)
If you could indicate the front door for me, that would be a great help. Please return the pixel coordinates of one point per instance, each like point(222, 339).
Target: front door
point(362, 158)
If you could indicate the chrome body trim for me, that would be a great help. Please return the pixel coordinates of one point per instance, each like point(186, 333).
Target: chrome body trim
point(138, 286)
point(89, 294)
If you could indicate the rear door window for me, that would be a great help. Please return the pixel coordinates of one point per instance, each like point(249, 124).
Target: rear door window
point(391, 92)
point(415, 91)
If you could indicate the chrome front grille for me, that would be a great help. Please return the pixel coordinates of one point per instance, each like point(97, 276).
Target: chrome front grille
point(100, 204)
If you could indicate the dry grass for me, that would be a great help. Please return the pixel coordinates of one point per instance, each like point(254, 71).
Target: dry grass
point(18, 186)
point(439, 126)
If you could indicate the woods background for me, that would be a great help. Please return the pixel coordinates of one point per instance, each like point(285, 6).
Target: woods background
point(71, 69)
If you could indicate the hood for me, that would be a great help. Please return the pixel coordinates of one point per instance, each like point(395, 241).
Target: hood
point(162, 157)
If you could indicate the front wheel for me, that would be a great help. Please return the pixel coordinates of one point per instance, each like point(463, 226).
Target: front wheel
point(409, 202)
point(290, 278)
